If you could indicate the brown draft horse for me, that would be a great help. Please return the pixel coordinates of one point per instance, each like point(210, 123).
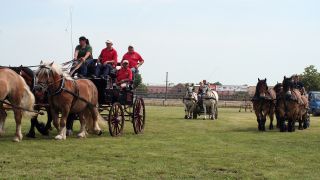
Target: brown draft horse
point(66, 96)
point(264, 104)
point(28, 75)
point(292, 106)
point(14, 89)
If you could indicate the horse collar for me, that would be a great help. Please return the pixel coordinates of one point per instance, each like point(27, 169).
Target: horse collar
point(61, 88)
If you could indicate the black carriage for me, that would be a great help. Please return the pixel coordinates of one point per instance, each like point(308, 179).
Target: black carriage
point(118, 105)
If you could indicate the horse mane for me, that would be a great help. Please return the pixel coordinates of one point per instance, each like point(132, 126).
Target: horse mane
point(56, 68)
point(28, 71)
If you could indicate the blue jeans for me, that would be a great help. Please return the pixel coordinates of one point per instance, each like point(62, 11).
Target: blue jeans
point(93, 67)
point(106, 69)
point(83, 69)
point(134, 72)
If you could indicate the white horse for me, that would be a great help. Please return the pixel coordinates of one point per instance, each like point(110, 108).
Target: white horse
point(190, 101)
point(210, 100)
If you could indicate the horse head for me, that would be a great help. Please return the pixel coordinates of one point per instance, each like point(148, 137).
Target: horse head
point(189, 91)
point(262, 87)
point(47, 76)
point(278, 88)
point(287, 83)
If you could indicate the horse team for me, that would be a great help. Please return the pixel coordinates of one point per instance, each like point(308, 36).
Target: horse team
point(66, 95)
point(205, 102)
point(283, 101)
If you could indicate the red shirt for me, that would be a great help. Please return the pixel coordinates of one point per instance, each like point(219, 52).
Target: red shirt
point(109, 55)
point(124, 73)
point(134, 58)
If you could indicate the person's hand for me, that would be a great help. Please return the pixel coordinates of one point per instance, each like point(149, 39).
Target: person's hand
point(82, 59)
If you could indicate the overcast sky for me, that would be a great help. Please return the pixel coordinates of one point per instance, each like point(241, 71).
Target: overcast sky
point(231, 41)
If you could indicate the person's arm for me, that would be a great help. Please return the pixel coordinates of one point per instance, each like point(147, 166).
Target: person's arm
point(76, 52)
point(115, 58)
point(86, 56)
point(141, 61)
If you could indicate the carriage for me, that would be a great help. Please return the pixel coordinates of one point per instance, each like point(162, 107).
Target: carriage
point(120, 104)
point(199, 110)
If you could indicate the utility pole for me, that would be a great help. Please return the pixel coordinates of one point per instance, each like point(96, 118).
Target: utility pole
point(166, 95)
point(71, 33)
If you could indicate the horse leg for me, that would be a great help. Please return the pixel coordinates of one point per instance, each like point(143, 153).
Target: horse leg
point(31, 133)
point(18, 117)
point(95, 114)
point(258, 119)
point(271, 116)
point(62, 132)
point(69, 125)
point(49, 120)
point(212, 111)
point(83, 130)
point(3, 116)
point(205, 111)
point(185, 111)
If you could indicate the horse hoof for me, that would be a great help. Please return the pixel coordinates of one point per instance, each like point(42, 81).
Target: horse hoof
point(31, 135)
point(81, 135)
point(99, 133)
point(185, 117)
point(59, 137)
point(16, 139)
point(69, 132)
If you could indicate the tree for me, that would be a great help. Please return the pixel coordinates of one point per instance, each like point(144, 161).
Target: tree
point(137, 80)
point(311, 78)
point(137, 83)
point(218, 83)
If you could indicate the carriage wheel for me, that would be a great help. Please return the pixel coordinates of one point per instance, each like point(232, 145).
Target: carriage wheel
point(116, 119)
point(139, 116)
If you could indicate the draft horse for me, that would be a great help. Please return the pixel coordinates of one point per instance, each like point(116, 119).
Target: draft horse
point(264, 102)
point(292, 106)
point(66, 95)
point(40, 99)
point(15, 90)
point(190, 101)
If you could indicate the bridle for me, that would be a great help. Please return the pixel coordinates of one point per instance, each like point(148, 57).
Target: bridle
point(45, 86)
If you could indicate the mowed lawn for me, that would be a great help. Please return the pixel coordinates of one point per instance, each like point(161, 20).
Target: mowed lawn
point(171, 148)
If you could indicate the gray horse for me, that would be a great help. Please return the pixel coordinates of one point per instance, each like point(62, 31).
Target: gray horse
point(210, 100)
point(190, 101)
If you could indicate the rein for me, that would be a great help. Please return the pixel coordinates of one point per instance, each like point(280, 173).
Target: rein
point(21, 108)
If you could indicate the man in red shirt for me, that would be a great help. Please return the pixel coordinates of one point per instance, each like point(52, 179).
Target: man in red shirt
point(124, 75)
point(108, 59)
point(134, 58)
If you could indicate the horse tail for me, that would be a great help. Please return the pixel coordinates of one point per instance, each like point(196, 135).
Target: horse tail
point(27, 101)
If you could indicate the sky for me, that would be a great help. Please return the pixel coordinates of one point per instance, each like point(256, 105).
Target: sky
point(234, 42)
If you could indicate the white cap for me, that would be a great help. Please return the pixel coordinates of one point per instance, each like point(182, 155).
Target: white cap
point(125, 61)
point(109, 42)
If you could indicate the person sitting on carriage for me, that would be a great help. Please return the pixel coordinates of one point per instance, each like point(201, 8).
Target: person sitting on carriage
point(83, 54)
point(124, 75)
point(134, 58)
point(200, 92)
point(297, 84)
point(108, 60)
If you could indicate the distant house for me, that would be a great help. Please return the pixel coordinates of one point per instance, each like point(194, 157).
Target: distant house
point(157, 89)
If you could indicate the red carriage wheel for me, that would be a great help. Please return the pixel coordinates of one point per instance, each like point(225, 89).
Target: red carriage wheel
point(139, 116)
point(116, 119)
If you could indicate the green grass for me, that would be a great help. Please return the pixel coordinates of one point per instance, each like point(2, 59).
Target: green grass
point(171, 148)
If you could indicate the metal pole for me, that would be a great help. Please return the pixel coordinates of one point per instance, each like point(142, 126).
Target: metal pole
point(166, 86)
point(71, 33)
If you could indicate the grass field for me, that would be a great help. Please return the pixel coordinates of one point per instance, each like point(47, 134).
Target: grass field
point(171, 148)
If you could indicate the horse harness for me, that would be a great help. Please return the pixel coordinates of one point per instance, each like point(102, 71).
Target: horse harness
point(75, 94)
